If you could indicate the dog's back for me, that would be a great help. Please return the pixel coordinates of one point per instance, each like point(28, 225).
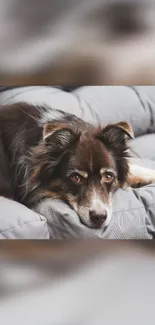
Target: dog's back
point(18, 129)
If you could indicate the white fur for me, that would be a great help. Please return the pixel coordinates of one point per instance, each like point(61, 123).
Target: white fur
point(146, 174)
point(50, 114)
point(98, 206)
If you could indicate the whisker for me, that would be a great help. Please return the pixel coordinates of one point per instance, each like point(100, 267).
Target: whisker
point(136, 154)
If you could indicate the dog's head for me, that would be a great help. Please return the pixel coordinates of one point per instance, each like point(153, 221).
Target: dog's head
point(82, 166)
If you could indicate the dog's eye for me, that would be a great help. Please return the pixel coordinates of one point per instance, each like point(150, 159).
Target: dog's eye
point(76, 178)
point(108, 177)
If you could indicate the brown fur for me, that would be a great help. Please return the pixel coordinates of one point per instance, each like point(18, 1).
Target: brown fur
point(42, 160)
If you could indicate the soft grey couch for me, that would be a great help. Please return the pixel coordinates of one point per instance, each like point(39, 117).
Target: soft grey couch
point(133, 210)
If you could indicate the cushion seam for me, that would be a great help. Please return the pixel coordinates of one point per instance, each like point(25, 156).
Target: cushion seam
point(19, 226)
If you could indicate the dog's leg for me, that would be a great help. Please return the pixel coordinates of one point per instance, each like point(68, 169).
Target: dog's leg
point(140, 176)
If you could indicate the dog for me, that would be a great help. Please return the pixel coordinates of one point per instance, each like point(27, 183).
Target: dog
point(46, 153)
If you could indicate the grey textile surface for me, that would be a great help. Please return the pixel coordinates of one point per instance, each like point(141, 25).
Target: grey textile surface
point(17, 221)
point(112, 285)
point(133, 210)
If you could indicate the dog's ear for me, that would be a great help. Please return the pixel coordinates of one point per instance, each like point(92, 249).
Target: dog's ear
point(115, 136)
point(126, 128)
point(59, 135)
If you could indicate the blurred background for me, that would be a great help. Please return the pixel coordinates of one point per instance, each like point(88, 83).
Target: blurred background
point(77, 42)
point(87, 282)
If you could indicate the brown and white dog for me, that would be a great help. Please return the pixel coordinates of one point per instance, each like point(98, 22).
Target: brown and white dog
point(46, 153)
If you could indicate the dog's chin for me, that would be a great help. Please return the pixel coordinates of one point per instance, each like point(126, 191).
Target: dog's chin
point(93, 226)
point(85, 220)
point(89, 224)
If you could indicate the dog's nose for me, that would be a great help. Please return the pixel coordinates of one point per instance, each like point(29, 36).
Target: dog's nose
point(98, 218)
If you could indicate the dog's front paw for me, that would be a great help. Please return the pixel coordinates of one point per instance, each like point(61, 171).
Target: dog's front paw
point(140, 176)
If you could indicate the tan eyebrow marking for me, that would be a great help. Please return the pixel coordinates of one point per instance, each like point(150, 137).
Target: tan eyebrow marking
point(80, 172)
point(103, 170)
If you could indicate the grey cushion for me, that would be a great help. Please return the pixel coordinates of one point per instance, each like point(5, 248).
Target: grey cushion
point(133, 210)
point(17, 221)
